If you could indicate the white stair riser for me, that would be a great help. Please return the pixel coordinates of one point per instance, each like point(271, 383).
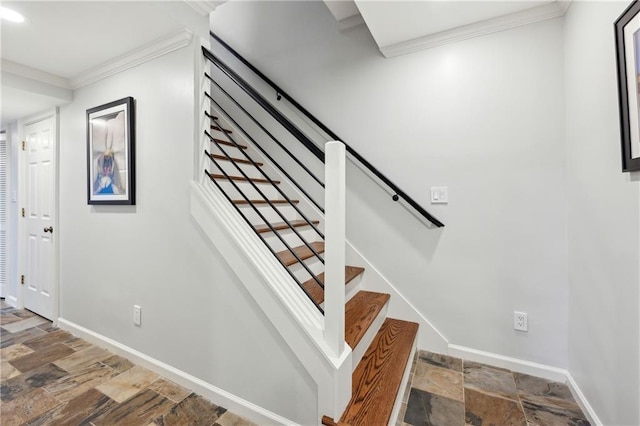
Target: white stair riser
point(252, 193)
point(365, 342)
point(223, 135)
point(312, 263)
point(290, 237)
point(354, 286)
point(268, 212)
point(249, 169)
point(404, 384)
point(232, 151)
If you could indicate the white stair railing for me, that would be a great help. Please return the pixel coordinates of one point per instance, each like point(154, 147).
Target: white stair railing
point(334, 272)
point(334, 222)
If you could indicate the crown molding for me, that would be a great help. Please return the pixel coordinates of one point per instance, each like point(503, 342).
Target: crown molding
point(501, 23)
point(350, 22)
point(204, 7)
point(155, 49)
point(564, 5)
point(34, 74)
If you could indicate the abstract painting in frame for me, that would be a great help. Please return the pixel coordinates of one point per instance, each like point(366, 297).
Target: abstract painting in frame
point(111, 153)
point(627, 33)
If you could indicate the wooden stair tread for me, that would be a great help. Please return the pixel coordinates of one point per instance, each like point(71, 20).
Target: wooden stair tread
point(244, 179)
point(317, 293)
point(359, 313)
point(279, 226)
point(264, 201)
point(377, 378)
point(235, 160)
point(227, 143)
point(214, 127)
point(302, 251)
point(328, 421)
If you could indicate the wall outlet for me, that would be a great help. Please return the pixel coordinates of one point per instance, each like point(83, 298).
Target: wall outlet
point(520, 321)
point(137, 315)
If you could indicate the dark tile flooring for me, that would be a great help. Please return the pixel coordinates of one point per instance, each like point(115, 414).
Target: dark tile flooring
point(449, 391)
point(49, 377)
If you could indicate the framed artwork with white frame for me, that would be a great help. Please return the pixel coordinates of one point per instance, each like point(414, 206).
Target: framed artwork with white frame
point(111, 153)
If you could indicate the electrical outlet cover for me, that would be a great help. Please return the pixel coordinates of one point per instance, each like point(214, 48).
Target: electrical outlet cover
point(520, 322)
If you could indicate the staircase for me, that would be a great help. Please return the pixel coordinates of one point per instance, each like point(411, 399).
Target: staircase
point(382, 348)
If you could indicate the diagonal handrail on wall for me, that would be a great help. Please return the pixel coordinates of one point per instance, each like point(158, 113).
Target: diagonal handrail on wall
point(310, 145)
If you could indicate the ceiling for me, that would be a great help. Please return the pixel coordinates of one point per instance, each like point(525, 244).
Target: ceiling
point(399, 21)
point(61, 41)
point(400, 27)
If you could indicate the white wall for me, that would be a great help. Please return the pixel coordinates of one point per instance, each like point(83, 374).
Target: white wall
point(483, 117)
point(604, 221)
point(196, 316)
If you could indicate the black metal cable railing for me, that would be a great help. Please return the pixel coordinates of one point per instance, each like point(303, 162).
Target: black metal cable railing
point(266, 176)
point(264, 241)
point(292, 129)
point(262, 150)
point(255, 187)
point(251, 203)
point(256, 122)
point(312, 147)
point(260, 100)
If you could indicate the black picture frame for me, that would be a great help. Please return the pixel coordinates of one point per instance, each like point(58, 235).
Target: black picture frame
point(627, 36)
point(111, 145)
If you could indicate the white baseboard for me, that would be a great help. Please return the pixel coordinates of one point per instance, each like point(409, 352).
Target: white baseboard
point(218, 396)
point(12, 300)
point(514, 364)
point(532, 368)
point(587, 409)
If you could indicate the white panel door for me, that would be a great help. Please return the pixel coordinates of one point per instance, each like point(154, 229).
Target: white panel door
point(40, 278)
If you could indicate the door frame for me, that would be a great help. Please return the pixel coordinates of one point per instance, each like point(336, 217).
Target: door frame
point(22, 200)
point(4, 284)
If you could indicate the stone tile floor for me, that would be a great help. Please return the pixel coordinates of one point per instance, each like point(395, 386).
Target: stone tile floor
point(449, 391)
point(49, 377)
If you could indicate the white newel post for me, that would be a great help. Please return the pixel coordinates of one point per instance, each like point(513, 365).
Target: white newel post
point(334, 242)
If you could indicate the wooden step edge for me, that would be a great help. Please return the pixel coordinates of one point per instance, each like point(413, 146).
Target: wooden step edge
point(214, 127)
point(264, 202)
point(317, 293)
point(351, 272)
point(360, 312)
point(227, 143)
point(235, 160)
point(328, 421)
point(302, 252)
point(377, 378)
point(244, 179)
point(279, 226)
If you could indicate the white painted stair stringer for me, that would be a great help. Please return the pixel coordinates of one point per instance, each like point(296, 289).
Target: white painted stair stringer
point(400, 307)
point(292, 314)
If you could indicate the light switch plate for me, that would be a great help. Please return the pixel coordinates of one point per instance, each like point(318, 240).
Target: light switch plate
point(439, 195)
point(137, 315)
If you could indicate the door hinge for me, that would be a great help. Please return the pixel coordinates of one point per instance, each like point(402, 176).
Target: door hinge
point(24, 146)
point(22, 279)
point(24, 214)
